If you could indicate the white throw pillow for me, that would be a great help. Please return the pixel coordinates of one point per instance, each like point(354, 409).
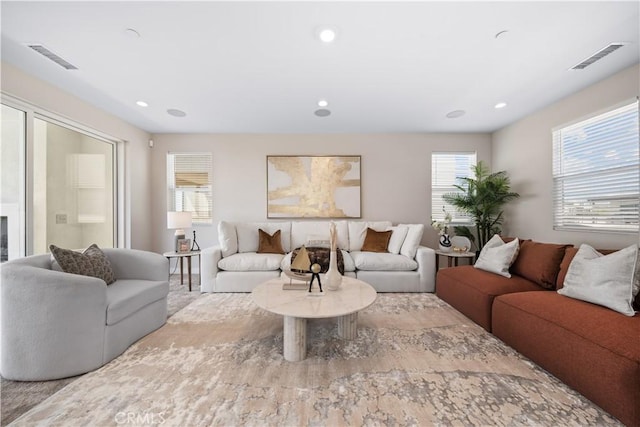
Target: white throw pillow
point(497, 256)
point(397, 238)
point(228, 238)
point(607, 280)
point(413, 239)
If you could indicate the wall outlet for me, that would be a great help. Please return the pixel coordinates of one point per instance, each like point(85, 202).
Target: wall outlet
point(61, 218)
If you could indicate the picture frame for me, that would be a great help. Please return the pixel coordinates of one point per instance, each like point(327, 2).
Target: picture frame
point(184, 245)
point(313, 186)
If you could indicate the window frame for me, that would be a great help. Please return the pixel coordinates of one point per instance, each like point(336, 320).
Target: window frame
point(457, 218)
point(173, 188)
point(560, 178)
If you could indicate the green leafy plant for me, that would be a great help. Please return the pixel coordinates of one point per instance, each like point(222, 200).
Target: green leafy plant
point(483, 197)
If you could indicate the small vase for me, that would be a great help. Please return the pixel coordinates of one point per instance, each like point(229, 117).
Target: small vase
point(333, 278)
point(444, 243)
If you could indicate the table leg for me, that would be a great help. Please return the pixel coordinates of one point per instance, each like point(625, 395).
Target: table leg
point(450, 261)
point(348, 326)
point(189, 268)
point(295, 338)
point(181, 270)
point(437, 263)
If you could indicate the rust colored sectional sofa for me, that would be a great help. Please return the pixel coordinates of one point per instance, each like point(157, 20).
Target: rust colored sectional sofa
point(593, 349)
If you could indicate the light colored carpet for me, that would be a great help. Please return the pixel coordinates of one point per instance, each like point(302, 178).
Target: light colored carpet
point(17, 397)
point(416, 361)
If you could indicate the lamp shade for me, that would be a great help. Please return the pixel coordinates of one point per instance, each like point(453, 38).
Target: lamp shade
point(179, 220)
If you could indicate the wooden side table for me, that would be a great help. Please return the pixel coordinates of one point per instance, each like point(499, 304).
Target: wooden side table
point(453, 258)
point(181, 256)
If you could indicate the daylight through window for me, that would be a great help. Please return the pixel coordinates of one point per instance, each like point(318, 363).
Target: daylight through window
point(189, 185)
point(595, 173)
point(446, 168)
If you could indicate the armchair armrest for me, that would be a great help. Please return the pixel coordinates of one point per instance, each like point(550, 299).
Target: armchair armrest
point(426, 259)
point(136, 264)
point(52, 323)
point(209, 259)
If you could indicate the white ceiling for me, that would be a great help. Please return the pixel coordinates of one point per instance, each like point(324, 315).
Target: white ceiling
point(259, 67)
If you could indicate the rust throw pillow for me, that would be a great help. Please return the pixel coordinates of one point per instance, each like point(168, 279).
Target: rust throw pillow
point(92, 262)
point(269, 244)
point(539, 262)
point(321, 256)
point(376, 241)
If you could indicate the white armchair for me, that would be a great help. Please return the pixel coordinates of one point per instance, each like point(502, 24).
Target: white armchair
point(55, 324)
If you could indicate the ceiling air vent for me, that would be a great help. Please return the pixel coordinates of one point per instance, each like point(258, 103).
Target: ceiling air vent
point(598, 56)
point(52, 56)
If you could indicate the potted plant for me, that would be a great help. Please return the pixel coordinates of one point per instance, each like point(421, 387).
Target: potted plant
point(442, 227)
point(482, 197)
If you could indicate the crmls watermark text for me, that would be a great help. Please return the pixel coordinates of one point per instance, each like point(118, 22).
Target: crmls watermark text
point(139, 418)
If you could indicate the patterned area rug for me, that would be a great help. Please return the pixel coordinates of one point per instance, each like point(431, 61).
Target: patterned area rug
point(17, 397)
point(416, 361)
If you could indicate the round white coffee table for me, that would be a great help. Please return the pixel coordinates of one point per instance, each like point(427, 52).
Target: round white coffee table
point(299, 305)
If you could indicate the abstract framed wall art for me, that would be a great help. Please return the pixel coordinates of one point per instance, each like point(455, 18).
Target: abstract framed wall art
point(313, 187)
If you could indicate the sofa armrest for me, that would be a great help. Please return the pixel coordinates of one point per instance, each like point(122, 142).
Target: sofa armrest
point(426, 259)
point(52, 323)
point(136, 264)
point(209, 268)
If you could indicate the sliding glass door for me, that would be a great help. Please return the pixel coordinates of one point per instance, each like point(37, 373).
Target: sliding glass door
point(12, 181)
point(73, 188)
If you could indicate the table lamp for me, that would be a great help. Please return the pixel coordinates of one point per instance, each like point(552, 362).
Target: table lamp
point(179, 221)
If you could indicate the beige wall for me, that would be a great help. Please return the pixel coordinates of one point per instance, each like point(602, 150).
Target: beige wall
point(524, 149)
point(396, 173)
point(47, 97)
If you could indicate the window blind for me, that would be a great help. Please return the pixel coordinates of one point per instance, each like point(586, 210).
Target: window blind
point(596, 171)
point(189, 185)
point(446, 168)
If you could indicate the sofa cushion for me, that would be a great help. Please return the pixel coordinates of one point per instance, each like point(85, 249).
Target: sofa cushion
point(497, 256)
point(248, 240)
point(398, 234)
point(349, 265)
point(303, 231)
point(251, 261)
point(376, 241)
point(382, 261)
point(472, 291)
point(607, 280)
point(577, 342)
point(228, 238)
point(413, 239)
point(269, 243)
point(539, 262)
point(358, 232)
point(92, 262)
point(127, 296)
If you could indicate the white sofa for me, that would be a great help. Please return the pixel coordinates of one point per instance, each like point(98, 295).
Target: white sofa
point(56, 325)
point(235, 266)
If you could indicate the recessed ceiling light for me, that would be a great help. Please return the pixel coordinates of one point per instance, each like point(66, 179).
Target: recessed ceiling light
point(130, 32)
point(323, 103)
point(327, 35)
point(455, 114)
point(176, 113)
point(142, 104)
point(500, 105)
point(323, 112)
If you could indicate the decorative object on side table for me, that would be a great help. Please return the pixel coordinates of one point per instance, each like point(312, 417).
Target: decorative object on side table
point(195, 246)
point(179, 221)
point(444, 242)
point(184, 246)
point(460, 244)
point(333, 278)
